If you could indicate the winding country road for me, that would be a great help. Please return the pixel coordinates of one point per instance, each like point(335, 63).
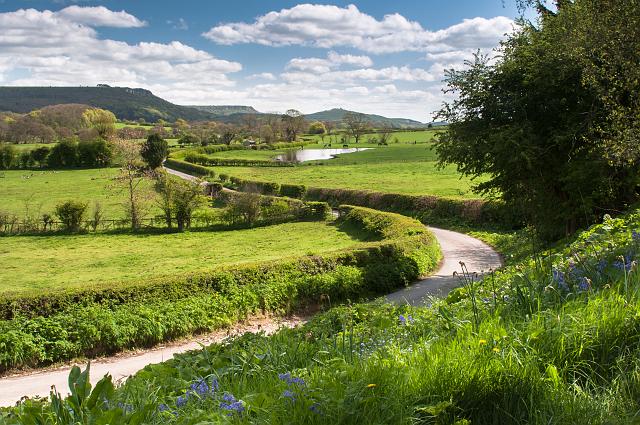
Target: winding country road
point(456, 247)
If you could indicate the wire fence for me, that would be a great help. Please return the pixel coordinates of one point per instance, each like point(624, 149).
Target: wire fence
point(14, 225)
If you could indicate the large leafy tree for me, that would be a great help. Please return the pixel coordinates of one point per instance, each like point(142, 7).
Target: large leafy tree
point(532, 121)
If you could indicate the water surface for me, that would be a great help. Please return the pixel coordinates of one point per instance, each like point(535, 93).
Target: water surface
point(302, 155)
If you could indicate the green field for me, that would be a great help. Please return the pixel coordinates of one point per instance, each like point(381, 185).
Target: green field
point(401, 168)
point(29, 192)
point(39, 262)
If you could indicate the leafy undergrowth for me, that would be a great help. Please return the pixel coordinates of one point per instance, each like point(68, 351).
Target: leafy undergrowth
point(553, 340)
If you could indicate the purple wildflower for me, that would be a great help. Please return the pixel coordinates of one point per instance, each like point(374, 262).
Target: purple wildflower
point(635, 236)
point(315, 408)
point(182, 400)
point(559, 278)
point(289, 394)
point(403, 320)
point(584, 284)
point(163, 407)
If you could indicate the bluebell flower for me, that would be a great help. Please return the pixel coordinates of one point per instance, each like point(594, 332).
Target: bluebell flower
point(403, 321)
point(232, 405)
point(163, 407)
point(635, 236)
point(229, 398)
point(410, 319)
point(315, 408)
point(285, 376)
point(559, 278)
point(290, 380)
point(289, 394)
point(584, 284)
point(182, 400)
point(601, 266)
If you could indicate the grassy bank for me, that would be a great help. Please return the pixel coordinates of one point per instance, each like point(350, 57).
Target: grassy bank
point(553, 340)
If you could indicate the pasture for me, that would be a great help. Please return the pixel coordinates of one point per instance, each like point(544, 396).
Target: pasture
point(74, 261)
point(33, 192)
point(402, 168)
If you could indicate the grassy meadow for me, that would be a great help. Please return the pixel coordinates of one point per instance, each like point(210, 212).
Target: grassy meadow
point(72, 261)
point(33, 192)
point(402, 168)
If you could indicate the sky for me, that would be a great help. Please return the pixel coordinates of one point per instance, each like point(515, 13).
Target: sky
point(373, 56)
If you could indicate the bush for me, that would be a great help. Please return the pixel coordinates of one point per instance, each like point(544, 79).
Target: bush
point(7, 156)
point(95, 153)
point(154, 151)
point(64, 154)
point(71, 214)
point(293, 190)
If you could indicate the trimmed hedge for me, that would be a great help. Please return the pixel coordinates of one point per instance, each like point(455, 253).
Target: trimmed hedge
point(55, 326)
point(201, 159)
point(426, 208)
point(264, 188)
point(187, 167)
point(300, 210)
point(293, 190)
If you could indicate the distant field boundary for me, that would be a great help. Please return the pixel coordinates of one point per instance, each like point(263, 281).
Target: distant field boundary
point(426, 208)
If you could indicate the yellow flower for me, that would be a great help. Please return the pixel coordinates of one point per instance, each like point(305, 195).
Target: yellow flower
point(496, 350)
point(372, 385)
point(482, 341)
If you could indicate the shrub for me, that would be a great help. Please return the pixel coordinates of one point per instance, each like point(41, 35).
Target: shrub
point(154, 151)
point(293, 190)
point(7, 156)
point(71, 214)
point(64, 154)
point(95, 153)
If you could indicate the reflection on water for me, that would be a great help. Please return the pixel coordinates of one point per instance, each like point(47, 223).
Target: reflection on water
point(302, 155)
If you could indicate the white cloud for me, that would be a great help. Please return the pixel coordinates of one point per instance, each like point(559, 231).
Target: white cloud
point(100, 16)
point(333, 60)
point(57, 49)
point(331, 26)
point(388, 74)
point(262, 76)
point(180, 24)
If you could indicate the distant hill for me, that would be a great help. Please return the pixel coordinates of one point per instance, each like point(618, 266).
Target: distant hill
point(225, 110)
point(126, 103)
point(338, 114)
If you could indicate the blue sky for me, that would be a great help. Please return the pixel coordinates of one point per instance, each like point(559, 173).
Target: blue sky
point(374, 56)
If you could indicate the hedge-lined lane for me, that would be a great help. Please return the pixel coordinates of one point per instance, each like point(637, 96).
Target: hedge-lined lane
point(99, 321)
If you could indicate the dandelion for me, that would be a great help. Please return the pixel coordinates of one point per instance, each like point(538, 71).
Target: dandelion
point(372, 385)
point(482, 341)
point(496, 350)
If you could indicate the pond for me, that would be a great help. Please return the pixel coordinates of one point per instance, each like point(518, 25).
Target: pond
point(302, 155)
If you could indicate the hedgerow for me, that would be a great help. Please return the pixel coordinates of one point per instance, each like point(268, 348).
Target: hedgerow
point(40, 328)
point(188, 167)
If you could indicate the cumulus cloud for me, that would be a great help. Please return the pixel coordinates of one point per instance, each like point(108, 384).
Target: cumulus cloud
point(100, 16)
point(62, 48)
point(330, 26)
point(333, 60)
